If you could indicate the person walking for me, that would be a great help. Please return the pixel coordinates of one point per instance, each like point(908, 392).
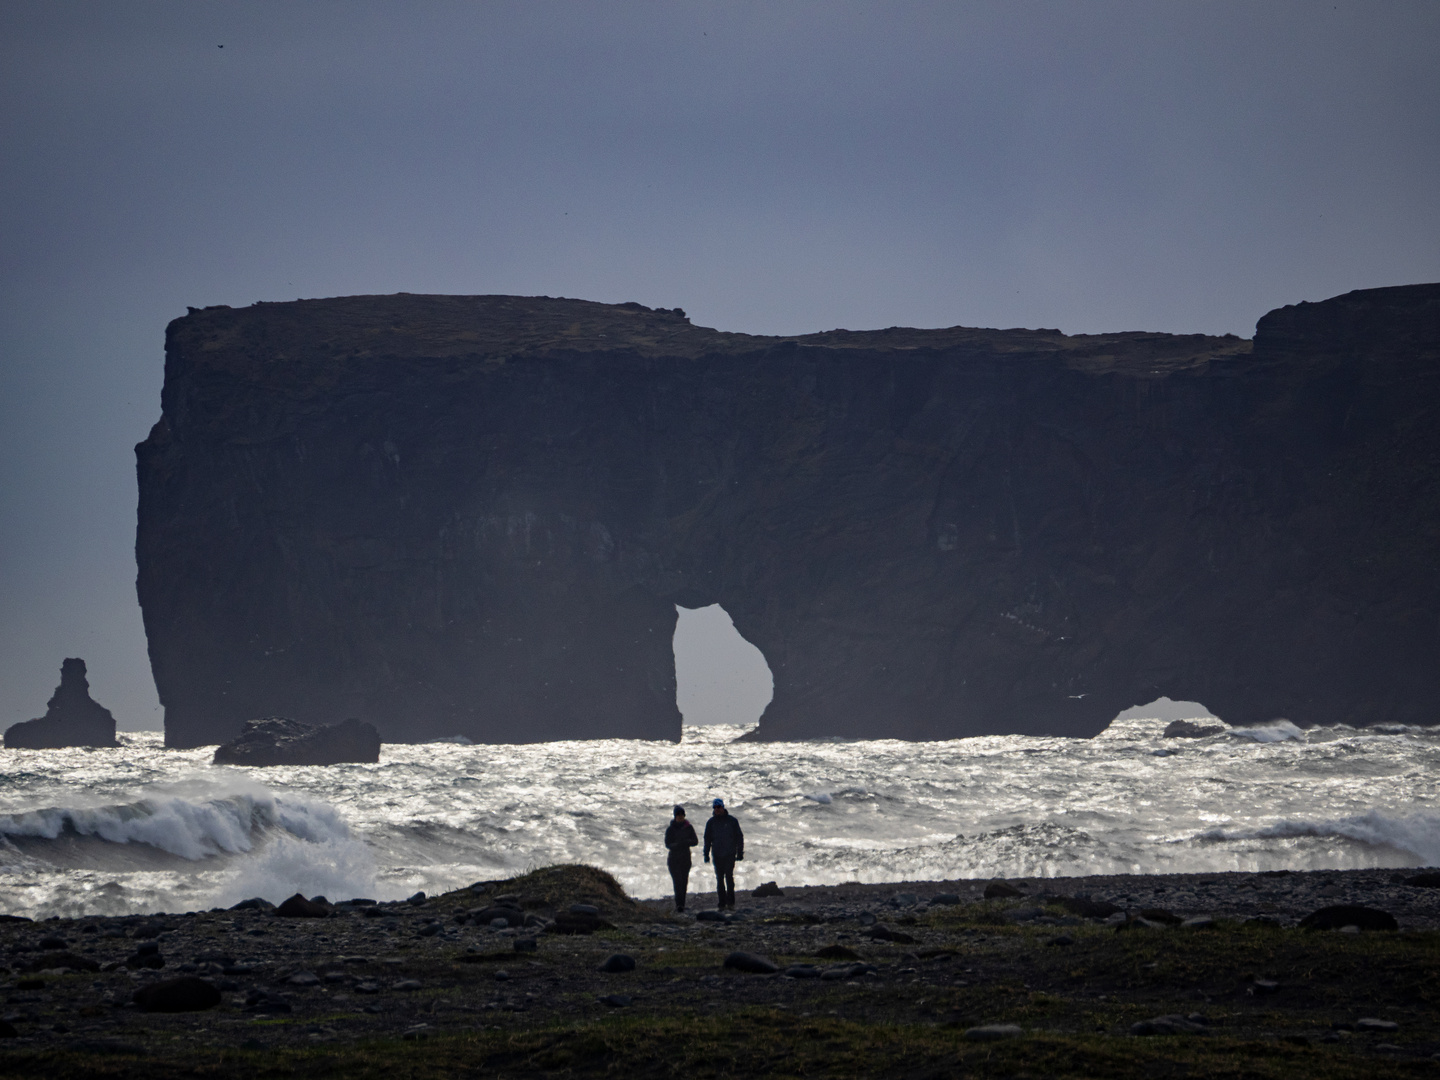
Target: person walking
point(679, 839)
point(726, 842)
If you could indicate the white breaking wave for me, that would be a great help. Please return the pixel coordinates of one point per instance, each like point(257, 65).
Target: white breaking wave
point(337, 869)
point(192, 829)
point(1275, 731)
point(247, 840)
point(1417, 835)
point(142, 828)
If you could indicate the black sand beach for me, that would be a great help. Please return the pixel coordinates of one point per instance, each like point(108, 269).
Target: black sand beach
point(1114, 975)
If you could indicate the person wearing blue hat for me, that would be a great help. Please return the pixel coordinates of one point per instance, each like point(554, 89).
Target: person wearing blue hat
point(726, 842)
point(679, 839)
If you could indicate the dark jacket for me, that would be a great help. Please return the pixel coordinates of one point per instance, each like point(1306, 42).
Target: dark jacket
point(724, 838)
point(679, 839)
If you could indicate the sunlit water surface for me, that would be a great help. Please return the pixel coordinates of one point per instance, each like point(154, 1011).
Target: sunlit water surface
point(143, 828)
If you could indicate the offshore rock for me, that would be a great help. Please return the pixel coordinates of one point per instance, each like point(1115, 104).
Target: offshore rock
point(1186, 729)
point(278, 740)
point(476, 515)
point(72, 717)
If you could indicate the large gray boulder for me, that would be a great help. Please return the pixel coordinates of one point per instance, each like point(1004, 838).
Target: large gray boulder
point(278, 740)
point(72, 717)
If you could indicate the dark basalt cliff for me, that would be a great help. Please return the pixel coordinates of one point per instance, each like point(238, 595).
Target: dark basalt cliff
point(72, 717)
point(474, 515)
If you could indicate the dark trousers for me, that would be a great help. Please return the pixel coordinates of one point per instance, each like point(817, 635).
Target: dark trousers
point(724, 880)
point(680, 875)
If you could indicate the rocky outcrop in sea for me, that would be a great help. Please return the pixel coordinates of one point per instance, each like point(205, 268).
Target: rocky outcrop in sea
point(278, 740)
point(72, 717)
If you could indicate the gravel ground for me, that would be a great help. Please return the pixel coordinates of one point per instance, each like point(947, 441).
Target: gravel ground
point(427, 967)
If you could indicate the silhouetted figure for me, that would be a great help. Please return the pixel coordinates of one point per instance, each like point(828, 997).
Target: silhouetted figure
point(679, 839)
point(726, 842)
point(71, 718)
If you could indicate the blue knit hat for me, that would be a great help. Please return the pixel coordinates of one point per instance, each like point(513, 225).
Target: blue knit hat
point(719, 802)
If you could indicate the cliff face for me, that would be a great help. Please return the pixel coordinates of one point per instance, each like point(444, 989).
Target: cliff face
point(474, 515)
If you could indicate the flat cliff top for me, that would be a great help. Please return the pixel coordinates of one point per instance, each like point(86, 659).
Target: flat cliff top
point(493, 329)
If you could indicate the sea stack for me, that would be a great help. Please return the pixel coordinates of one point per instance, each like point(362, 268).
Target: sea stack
point(476, 515)
point(72, 717)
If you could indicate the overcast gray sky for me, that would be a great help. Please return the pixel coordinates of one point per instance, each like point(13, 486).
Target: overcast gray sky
point(769, 167)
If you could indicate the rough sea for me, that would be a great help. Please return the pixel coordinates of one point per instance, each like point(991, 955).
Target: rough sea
point(145, 829)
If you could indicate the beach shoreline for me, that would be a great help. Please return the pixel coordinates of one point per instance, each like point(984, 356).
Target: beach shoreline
point(1078, 958)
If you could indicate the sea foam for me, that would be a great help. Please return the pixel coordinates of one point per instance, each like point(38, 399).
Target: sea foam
point(81, 830)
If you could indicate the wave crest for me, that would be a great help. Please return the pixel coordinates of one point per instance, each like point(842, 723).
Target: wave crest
point(192, 828)
point(1414, 834)
point(1275, 731)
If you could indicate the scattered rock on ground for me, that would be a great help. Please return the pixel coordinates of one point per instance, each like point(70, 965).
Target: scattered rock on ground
point(1086, 909)
point(1342, 915)
point(297, 907)
point(1371, 1023)
point(1160, 915)
point(617, 964)
point(750, 964)
point(881, 932)
point(486, 916)
point(260, 1000)
point(847, 971)
point(570, 922)
point(51, 960)
point(185, 994)
point(770, 888)
point(1001, 890)
point(1169, 1025)
point(146, 956)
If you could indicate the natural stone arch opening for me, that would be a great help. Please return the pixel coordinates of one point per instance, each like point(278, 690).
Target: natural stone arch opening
point(720, 678)
point(1151, 718)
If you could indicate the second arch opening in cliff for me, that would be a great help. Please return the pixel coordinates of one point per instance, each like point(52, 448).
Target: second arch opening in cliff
point(720, 678)
point(1144, 720)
